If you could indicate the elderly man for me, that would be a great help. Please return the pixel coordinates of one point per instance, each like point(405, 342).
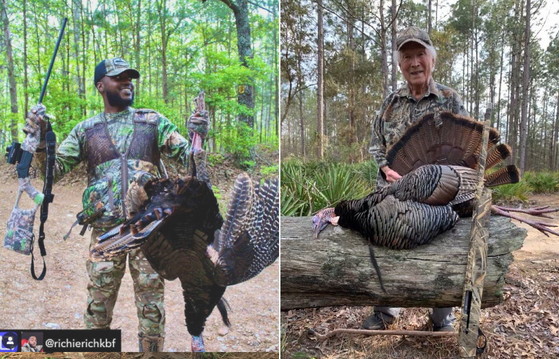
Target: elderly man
point(401, 109)
point(119, 144)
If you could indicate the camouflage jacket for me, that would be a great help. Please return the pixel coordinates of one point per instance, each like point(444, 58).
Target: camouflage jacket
point(400, 110)
point(145, 130)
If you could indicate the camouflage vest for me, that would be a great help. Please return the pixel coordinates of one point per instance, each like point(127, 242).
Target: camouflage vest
point(110, 171)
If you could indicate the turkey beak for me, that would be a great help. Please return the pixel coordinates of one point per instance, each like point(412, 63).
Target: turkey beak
point(318, 224)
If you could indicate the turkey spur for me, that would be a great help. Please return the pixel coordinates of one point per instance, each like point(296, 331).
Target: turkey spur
point(177, 225)
point(438, 161)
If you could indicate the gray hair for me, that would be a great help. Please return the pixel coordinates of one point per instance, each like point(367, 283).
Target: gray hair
point(430, 49)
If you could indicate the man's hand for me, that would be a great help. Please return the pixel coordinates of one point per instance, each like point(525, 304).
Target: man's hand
point(390, 174)
point(35, 128)
point(35, 120)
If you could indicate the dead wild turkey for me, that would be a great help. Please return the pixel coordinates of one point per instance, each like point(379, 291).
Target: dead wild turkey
point(178, 226)
point(438, 161)
point(182, 234)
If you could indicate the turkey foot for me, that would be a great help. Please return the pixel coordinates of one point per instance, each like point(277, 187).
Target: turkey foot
point(538, 211)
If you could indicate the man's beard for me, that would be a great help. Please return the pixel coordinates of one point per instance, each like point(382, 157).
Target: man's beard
point(116, 101)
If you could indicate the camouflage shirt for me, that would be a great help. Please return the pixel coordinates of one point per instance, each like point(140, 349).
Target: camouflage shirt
point(106, 185)
point(400, 110)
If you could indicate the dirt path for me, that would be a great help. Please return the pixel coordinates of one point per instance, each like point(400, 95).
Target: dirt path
point(58, 302)
point(525, 325)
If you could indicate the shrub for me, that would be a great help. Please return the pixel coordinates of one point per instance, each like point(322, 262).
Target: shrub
point(308, 187)
point(512, 192)
point(542, 182)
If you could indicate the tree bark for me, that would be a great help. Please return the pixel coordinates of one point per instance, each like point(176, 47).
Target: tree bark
point(525, 87)
point(555, 147)
point(163, 20)
point(76, 18)
point(393, 78)
point(11, 76)
point(320, 83)
point(429, 21)
point(383, 51)
point(25, 70)
point(336, 268)
point(244, 46)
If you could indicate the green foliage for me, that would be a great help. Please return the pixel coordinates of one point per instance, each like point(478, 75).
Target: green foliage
point(215, 159)
point(220, 200)
point(512, 192)
point(174, 114)
point(295, 189)
point(542, 182)
point(308, 187)
point(268, 171)
point(238, 139)
point(368, 171)
point(195, 50)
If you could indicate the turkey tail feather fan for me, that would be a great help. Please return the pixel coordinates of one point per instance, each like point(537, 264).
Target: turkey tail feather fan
point(444, 138)
point(249, 238)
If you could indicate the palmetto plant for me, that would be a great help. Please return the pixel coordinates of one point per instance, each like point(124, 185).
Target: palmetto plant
point(542, 182)
point(308, 187)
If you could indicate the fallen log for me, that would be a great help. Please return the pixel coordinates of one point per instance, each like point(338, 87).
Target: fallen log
point(336, 269)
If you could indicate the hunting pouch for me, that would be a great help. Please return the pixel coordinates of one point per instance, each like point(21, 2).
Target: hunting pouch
point(19, 235)
point(102, 203)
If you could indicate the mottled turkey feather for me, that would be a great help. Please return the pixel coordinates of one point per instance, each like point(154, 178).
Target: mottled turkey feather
point(397, 224)
point(238, 213)
point(252, 237)
point(497, 154)
point(502, 176)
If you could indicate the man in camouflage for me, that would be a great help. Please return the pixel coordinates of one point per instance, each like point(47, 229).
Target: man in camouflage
point(119, 145)
point(401, 109)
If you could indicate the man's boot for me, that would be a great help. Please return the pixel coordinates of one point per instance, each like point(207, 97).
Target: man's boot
point(150, 343)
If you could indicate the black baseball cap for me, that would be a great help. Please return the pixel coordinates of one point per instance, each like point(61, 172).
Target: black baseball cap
point(113, 67)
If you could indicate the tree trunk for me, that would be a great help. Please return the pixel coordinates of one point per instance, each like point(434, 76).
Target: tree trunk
point(555, 146)
point(352, 93)
point(162, 11)
point(137, 42)
point(25, 70)
point(383, 55)
point(429, 21)
point(11, 76)
point(393, 40)
point(244, 46)
point(525, 86)
point(76, 11)
point(320, 84)
point(336, 268)
point(501, 70)
point(302, 125)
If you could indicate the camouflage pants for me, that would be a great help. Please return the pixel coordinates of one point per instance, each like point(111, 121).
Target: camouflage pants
point(104, 282)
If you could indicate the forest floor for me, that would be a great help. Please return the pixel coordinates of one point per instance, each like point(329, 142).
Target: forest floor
point(525, 325)
point(58, 301)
